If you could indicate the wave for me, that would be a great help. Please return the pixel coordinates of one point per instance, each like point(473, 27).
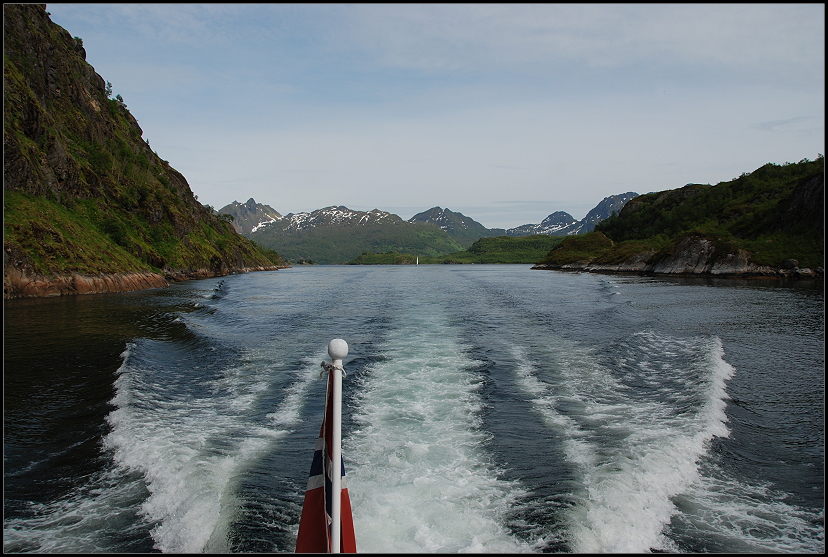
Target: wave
point(190, 450)
point(421, 480)
point(636, 448)
point(727, 514)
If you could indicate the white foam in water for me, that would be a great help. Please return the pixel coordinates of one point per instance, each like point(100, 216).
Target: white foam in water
point(750, 517)
point(418, 478)
point(635, 454)
point(79, 523)
point(190, 450)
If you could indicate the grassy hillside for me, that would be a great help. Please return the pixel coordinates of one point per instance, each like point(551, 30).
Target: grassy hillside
point(83, 192)
point(501, 249)
point(335, 244)
point(388, 258)
point(774, 213)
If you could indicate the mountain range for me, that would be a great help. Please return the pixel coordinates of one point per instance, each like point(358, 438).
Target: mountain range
point(335, 235)
point(338, 234)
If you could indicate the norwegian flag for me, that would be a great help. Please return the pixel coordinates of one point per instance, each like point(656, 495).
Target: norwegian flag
point(315, 523)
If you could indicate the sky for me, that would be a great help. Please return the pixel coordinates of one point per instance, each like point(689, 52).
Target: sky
point(503, 112)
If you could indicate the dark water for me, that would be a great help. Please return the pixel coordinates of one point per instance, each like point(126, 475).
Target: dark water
point(487, 409)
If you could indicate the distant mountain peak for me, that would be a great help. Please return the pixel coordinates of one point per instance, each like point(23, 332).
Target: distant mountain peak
point(250, 216)
point(336, 215)
point(553, 225)
point(464, 229)
point(605, 209)
point(561, 223)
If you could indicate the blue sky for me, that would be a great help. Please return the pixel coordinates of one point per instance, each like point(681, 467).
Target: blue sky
point(505, 113)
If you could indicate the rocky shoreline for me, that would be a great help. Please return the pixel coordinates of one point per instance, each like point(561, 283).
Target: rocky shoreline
point(695, 257)
point(757, 272)
point(17, 284)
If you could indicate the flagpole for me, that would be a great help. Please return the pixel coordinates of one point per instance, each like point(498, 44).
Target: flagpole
point(337, 350)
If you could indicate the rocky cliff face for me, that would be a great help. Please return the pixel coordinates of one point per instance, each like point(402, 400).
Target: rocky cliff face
point(84, 195)
point(806, 207)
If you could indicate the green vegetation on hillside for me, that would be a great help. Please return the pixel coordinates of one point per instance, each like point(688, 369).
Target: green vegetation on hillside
point(501, 249)
point(575, 249)
point(83, 192)
point(505, 249)
point(388, 258)
point(774, 213)
point(338, 244)
point(63, 241)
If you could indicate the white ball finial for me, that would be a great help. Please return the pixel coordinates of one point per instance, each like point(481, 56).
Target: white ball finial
point(337, 349)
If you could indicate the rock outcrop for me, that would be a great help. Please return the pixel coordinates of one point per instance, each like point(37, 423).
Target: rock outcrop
point(19, 285)
point(806, 207)
point(693, 256)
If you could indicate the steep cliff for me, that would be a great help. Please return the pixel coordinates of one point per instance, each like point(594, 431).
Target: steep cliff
point(88, 206)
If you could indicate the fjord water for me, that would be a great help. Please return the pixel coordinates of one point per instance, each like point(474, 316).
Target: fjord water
point(486, 409)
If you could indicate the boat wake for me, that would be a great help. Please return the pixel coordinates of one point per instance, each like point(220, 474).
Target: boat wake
point(636, 448)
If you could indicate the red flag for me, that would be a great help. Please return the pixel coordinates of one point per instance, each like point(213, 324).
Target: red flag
point(315, 523)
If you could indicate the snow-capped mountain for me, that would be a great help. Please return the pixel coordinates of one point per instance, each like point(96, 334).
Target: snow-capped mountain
point(555, 224)
point(332, 216)
point(249, 216)
point(561, 223)
point(336, 234)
